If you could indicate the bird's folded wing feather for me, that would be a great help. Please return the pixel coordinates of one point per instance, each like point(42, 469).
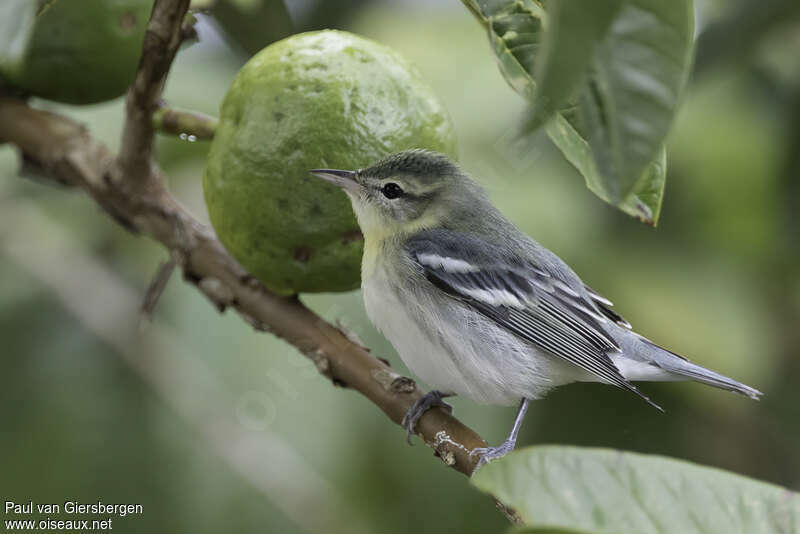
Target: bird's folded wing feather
point(604, 305)
point(523, 298)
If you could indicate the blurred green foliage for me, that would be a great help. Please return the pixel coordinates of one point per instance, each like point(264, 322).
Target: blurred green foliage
point(717, 281)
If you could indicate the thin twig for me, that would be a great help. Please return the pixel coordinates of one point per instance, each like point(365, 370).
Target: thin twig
point(156, 288)
point(161, 41)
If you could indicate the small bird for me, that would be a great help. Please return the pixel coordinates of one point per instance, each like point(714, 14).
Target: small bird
point(475, 307)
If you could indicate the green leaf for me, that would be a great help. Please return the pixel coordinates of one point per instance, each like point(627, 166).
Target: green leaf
point(16, 26)
point(602, 491)
point(644, 202)
point(515, 30)
point(576, 27)
point(599, 135)
point(634, 86)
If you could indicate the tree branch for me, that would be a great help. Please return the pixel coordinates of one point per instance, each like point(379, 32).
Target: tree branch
point(161, 41)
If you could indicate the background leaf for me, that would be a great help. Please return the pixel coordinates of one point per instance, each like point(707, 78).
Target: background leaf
point(16, 23)
point(613, 492)
point(739, 34)
point(250, 25)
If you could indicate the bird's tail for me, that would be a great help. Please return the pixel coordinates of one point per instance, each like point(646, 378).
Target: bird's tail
point(678, 365)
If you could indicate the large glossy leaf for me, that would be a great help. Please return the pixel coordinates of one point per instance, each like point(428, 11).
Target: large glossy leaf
point(576, 27)
point(644, 202)
point(602, 491)
point(516, 33)
point(633, 88)
point(16, 25)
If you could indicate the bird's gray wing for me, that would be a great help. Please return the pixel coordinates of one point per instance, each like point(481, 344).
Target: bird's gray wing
point(605, 305)
point(521, 297)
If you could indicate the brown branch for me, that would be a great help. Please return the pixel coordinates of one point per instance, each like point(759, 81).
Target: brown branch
point(64, 151)
point(156, 288)
point(161, 41)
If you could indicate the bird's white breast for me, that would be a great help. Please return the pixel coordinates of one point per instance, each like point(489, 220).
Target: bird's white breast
point(426, 358)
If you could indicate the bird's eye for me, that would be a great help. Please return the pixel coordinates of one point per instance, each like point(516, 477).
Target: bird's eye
point(391, 190)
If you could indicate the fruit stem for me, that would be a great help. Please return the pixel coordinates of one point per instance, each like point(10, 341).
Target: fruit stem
point(190, 125)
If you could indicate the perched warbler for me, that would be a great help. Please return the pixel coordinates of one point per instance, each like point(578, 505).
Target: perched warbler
point(477, 308)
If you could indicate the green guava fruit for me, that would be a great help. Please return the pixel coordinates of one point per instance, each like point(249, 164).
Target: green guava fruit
point(326, 99)
point(82, 51)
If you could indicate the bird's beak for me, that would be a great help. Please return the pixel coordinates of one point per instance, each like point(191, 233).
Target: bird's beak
point(347, 180)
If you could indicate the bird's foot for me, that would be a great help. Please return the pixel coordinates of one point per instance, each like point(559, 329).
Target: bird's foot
point(423, 404)
point(492, 453)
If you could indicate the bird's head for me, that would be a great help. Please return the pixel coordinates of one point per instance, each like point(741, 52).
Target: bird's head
point(405, 192)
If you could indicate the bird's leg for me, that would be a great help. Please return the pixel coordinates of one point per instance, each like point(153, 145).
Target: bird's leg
point(490, 453)
point(423, 404)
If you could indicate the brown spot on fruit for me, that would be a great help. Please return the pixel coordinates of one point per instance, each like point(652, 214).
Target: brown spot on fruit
point(303, 254)
point(352, 235)
point(128, 21)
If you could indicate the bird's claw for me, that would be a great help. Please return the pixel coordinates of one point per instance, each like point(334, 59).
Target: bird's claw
point(423, 404)
point(492, 453)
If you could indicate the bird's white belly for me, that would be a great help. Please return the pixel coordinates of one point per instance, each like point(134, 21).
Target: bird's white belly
point(454, 349)
point(426, 359)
